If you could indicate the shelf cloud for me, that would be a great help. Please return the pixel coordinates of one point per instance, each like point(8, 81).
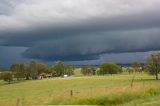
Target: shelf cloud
point(79, 30)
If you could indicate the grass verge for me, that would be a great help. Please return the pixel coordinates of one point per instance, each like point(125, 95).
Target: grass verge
point(109, 100)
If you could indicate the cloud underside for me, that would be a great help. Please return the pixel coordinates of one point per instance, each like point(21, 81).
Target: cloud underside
point(87, 37)
point(89, 46)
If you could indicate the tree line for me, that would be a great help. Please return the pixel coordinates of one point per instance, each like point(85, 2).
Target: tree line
point(151, 66)
point(34, 69)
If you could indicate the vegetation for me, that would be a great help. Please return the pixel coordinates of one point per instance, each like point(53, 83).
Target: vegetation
point(18, 70)
point(36, 70)
point(153, 64)
point(88, 70)
point(109, 68)
point(59, 69)
point(28, 71)
point(69, 70)
point(136, 66)
point(108, 90)
point(110, 85)
point(6, 76)
point(116, 99)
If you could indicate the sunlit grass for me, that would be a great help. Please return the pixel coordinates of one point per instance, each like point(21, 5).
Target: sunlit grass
point(111, 99)
point(57, 91)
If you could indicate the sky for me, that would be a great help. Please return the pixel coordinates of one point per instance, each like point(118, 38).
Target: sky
point(78, 32)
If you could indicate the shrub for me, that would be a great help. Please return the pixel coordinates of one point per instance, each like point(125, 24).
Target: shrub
point(6, 76)
point(88, 70)
point(109, 68)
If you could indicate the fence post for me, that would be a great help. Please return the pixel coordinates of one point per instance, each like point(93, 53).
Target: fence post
point(132, 81)
point(71, 93)
point(18, 102)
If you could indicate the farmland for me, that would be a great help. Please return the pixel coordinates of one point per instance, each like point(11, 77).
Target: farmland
point(92, 90)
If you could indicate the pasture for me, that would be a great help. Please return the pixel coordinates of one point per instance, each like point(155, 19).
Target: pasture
point(91, 90)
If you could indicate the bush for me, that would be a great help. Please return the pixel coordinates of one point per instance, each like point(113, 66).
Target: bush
point(60, 69)
point(6, 76)
point(109, 68)
point(153, 64)
point(88, 70)
point(69, 70)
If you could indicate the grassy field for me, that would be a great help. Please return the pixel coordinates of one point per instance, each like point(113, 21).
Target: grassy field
point(105, 90)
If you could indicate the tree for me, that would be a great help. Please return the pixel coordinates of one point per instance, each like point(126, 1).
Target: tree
point(42, 68)
point(33, 67)
point(109, 68)
point(69, 70)
point(6, 76)
point(58, 69)
point(27, 72)
point(153, 64)
point(18, 70)
point(88, 70)
point(136, 66)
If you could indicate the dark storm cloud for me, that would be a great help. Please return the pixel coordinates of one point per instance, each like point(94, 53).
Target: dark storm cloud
point(11, 55)
point(96, 44)
point(73, 39)
point(30, 37)
point(121, 58)
point(87, 40)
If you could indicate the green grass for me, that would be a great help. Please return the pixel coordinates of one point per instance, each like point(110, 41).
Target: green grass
point(148, 99)
point(115, 99)
point(108, 90)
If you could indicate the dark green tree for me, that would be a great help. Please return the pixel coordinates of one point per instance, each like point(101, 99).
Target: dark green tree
point(58, 69)
point(109, 68)
point(27, 72)
point(18, 70)
point(153, 64)
point(42, 68)
point(69, 70)
point(6, 76)
point(33, 67)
